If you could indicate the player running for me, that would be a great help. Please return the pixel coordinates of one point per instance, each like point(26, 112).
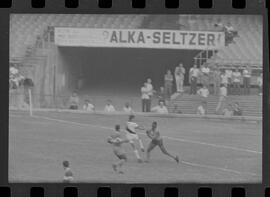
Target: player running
point(68, 177)
point(131, 135)
point(156, 140)
point(116, 140)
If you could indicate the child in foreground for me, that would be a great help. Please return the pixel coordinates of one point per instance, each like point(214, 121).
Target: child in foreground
point(116, 141)
point(68, 177)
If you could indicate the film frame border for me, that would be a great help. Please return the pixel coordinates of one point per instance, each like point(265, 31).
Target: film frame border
point(119, 7)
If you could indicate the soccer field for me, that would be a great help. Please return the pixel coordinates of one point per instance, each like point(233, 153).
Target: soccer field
point(209, 150)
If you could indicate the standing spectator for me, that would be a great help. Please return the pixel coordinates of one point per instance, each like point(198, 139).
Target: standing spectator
point(179, 74)
point(161, 108)
point(203, 93)
point(168, 83)
point(205, 70)
point(74, 101)
point(151, 91)
point(237, 111)
point(28, 84)
point(88, 106)
point(109, 107)
point(161, 94)
point(127, 109)
point(193, 78)
point(237, 82)
point(246, 80)
point(224, 79)
point(145, 98)
point(216, 80)
point(229, 78)
point(260, 83)
point(222, 97)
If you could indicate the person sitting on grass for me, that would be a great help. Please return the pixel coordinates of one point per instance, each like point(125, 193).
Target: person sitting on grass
point(228, 112)
point(201, 109)
point(74, 101)
point(237, 111)
point(127, 108)
point(160, 108)
point(68, 177)
point(88, 106)
point(109, 107)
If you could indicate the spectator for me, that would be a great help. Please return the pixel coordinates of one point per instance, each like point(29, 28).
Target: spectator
point(224, 79)
point(176, 110)
point(161, 94)
point(127, 109)
point(145, 98)
point(205, 70)
point(168, 84)
point(230, 33)
point(236, 82)
point(222, 97)
point(74, 101)
point(237, 111)
point(193, 78)
point(28, 84)
point(229, 79)
point(88, 106)
point(260, 83)
point(179, 75)
point(204, 93)
point(150, 90)
point(109, 107)
point(201, 110)
point(228, 112)
point(246, 80)
point(161, 108)
point(216, 80)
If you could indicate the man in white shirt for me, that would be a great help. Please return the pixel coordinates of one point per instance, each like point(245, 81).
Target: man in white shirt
point(179, 75)
point(145, 98)
point(246, 80)
point(161, 108)
point(222, 97)
point(204, 93)
point(88, 106)
point(193, 78)
point(205, 70)
point(109, 107)
point(237, 82)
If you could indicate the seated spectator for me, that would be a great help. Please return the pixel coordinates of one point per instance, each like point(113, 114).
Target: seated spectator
point(127, 108)
point(88, 106)
point(74, 101)
point(176, 110)
point(237, 111)
point(160, 108)
point(109, 107)
point(201, 110)
point(260, 83)
point(228, 112)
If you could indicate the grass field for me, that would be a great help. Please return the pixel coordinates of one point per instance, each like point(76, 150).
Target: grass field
point(210, 150)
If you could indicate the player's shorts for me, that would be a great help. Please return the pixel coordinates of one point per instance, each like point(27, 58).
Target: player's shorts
point(157, 142)
point(131, 137)
point(121, 156)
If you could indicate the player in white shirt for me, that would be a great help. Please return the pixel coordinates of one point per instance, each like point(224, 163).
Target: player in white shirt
point(109, 107)
point(132, 135)
point(161, 108)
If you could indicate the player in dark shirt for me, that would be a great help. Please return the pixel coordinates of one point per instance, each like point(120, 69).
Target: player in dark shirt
point(156, 140)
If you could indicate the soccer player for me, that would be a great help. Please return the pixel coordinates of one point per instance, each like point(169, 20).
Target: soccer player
point(156, 140)
point(68, 177)
point(116, 140)
point(131, 135)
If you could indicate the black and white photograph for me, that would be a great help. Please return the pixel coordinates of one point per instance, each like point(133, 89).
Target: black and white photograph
point(135, 98)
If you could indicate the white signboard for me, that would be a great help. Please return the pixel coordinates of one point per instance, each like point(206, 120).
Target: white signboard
point(139, 38)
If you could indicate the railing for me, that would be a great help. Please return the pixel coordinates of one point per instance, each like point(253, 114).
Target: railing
point(202, 57)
